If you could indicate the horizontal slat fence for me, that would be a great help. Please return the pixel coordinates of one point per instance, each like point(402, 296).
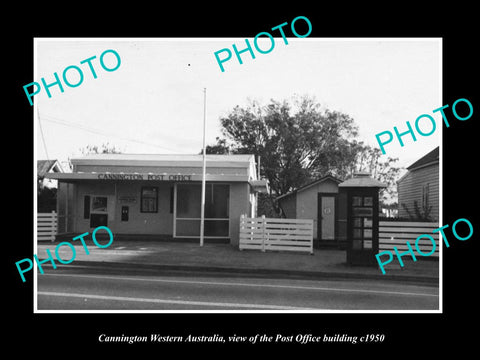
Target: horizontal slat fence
point(276, 234)
point(397, 233)
point(46, 226)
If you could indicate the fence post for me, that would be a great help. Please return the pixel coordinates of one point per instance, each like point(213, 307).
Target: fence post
point(242, 226)
point(52, 228)
point(263, 233)
point(311, 238)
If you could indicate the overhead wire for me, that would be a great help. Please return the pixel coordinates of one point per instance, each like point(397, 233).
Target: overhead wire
point(56, 120)
point(41, 133)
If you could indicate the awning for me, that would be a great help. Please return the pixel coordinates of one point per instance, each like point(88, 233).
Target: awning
point(259, 185)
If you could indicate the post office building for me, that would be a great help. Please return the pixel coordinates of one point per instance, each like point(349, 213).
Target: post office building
point(158, 195)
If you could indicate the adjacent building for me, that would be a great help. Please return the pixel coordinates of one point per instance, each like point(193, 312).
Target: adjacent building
point(418, 189)
point(44, 167)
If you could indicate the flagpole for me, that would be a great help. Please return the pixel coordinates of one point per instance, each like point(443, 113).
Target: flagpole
point(202, 216)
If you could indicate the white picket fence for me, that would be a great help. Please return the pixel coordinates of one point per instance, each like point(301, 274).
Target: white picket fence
point(396, 233)
point(46, 226)
point(276, 234)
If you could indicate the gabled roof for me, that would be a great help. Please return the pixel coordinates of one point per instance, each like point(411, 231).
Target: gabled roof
point(310, 184)
point(46, 166)
point(431, 158)
point(362, 180)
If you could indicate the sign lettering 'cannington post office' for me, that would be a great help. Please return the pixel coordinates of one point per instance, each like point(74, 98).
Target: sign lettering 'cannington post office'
point(156, 177)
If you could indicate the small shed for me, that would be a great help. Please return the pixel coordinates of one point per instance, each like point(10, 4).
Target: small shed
point(317, 200)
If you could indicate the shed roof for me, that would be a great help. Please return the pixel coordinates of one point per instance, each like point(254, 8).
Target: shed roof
point(362, 180)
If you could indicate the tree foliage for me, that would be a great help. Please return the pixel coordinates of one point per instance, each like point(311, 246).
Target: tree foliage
point(300, 141)
point(382, 168)
point(105, 148)
point(46, 199)
point(296, 142)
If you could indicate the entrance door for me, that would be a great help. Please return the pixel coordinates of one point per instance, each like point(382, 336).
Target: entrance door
point(326, 217)
point(362, 230)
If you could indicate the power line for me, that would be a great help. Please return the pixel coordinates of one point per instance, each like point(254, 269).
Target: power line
point(55, 120)
point(41, 132)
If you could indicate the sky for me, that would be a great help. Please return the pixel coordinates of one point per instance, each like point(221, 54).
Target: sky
point(154, 101)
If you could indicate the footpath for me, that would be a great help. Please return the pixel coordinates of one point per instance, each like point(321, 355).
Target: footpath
point(224, 258)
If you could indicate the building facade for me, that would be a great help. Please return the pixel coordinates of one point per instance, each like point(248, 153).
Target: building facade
point(418, 189)
point(158, 195)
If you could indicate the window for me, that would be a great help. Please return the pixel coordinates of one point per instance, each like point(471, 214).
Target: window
point(357, 201)
point(94, 204)
point(98, 211)
point(149, 199)
point(99, 204)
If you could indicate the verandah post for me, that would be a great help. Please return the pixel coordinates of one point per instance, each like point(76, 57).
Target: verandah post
point(242, 227)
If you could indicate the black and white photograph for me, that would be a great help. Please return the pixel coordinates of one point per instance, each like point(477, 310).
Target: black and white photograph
point(228, 178)
point(292, 201)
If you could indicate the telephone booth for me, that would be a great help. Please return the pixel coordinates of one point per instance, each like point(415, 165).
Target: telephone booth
point(361, 202)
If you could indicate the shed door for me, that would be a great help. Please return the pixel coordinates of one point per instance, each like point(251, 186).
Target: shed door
point(326, 216)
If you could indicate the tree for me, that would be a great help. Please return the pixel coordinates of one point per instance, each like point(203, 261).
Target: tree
point(419, 213)
point(220, 148)
point(296, 142)
point(46, 199)
point(381, 168)
point(301, 142)
point(105, 148)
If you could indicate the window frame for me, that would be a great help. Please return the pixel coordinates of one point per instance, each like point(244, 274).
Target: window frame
point(96, 211)
point(142, 210)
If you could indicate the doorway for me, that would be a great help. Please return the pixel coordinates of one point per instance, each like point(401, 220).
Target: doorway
point(327, 214)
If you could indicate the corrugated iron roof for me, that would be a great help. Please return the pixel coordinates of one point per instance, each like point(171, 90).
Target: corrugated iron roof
point(362, 180)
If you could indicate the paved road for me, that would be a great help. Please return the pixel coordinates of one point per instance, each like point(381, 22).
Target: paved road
point(84, 288)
